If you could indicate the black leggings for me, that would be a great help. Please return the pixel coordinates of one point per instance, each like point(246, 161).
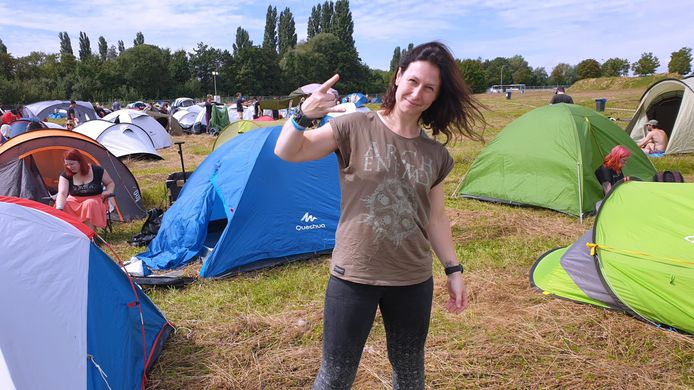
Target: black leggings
point(350, 309)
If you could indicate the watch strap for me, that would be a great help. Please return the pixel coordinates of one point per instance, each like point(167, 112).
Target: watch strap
point(453, 269)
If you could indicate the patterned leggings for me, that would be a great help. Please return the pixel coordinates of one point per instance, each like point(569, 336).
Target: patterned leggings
point(350, 309)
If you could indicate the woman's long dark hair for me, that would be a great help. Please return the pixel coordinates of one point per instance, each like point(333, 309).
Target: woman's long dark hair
point(454, 112)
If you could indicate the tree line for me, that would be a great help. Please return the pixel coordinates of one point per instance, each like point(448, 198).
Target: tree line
point(274, 67)
point(481, 74)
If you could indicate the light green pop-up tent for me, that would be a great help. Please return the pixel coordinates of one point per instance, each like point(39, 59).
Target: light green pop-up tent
point(548, 157)
point(638, 258)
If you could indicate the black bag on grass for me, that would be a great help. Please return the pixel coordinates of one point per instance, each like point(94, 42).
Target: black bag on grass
point(149, 228)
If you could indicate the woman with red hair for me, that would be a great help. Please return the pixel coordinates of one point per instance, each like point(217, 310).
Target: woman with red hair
point(81, 190)
point(610, 172)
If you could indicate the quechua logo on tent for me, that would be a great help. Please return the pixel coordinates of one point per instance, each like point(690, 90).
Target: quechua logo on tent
point(308, 218)
point(690, 239)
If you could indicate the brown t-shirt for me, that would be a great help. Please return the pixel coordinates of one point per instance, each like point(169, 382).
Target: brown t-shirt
point(382, 236)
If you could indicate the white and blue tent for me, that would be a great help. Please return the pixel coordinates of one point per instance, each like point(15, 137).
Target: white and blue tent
point(244, 208)
point(72, 319)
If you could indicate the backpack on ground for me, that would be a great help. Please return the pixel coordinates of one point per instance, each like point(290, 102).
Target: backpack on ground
point(669, 177)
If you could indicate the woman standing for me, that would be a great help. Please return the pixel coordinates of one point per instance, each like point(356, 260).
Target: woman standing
point(392, 211)
point(81, 190)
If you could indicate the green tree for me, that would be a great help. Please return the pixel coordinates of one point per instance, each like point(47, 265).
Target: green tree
point(615, 67)
point(257, 72)
point(103, 48)
point(519, 70)
point(85, 47)
point(286, 31)
point(326, 17)
point(647, 64)
point(395, 60)
point(497, 71)
point(203, 61)
point(65, 44)
point(141, 67)
point(588, 69)
point(680, 61)
point(3, 48)
point(270, 36)
point(112, 52)
point(179, 67)
point(539, 76)
point(139, 39)
point(121, 47)
point(313, 27)
point(342, 23)
point(473, 74)
point(242, 40)
point(563, 74)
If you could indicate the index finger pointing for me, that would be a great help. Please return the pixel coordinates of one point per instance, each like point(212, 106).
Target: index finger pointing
point(325, 87)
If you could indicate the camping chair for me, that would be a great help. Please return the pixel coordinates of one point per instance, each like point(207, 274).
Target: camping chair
point(174, 184)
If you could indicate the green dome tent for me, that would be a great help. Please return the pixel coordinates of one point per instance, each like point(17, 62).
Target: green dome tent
point(637, 258)
point(548, 157)
point(242, 126)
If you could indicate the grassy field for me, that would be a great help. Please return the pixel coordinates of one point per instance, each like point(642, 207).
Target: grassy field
point(263, 330)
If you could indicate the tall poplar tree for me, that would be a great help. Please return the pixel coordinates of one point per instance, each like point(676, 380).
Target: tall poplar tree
point(313, 28)
point(85, 47)
point(139, 39)
point(270, 36)
point(286, 31)
point(121, 47)
point(342, 24)
point(326, 17)
point(242, 40)
point(103, 48)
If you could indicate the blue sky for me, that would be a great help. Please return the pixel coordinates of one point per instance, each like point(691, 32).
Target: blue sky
point(545, 33)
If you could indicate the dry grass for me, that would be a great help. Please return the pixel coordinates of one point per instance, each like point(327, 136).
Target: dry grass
point(263, 330)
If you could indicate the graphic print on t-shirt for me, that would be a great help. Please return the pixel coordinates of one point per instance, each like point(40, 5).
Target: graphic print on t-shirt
point(391, 208)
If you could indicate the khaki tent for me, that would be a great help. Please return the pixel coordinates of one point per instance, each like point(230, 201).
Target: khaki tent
point(671, 103)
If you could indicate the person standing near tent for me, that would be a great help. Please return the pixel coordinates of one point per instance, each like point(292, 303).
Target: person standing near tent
point(71, 115)
point(81, 190)
point(239, 105)
point(610, 172)
point(655, 140)
point(392, 213)
point(115, 106)
point(560, 96)
point(208, 112)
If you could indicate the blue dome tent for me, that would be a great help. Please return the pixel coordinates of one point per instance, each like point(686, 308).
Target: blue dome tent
point(72, 319)
point(244, 208)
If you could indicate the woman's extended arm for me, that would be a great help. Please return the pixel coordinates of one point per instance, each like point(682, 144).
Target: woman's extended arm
point(63, 189)
point(442, 242)
point(295, 144)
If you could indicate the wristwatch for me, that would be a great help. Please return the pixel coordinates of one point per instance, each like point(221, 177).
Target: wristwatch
point(301, 119)
point(453, 269)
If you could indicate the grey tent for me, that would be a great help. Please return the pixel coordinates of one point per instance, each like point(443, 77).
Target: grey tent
point(671, 103)
point(41, 110)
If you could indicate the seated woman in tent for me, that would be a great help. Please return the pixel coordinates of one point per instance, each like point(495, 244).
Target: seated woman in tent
point(81, 190)
point(610, 172)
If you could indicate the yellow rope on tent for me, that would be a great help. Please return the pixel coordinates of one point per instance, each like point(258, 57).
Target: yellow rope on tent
point(593, 249)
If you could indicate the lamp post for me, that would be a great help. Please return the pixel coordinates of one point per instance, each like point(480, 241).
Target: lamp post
point(214, 78)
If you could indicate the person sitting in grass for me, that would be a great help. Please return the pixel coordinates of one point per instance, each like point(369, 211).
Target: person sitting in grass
point(655, 140)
